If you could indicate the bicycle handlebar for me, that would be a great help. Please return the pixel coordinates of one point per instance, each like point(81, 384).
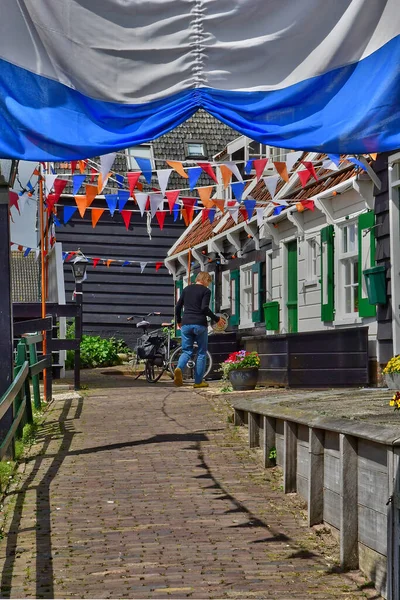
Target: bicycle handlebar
point(152, 314)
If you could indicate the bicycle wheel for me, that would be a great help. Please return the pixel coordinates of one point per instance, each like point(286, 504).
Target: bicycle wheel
point(154, 370)
point(188, 371)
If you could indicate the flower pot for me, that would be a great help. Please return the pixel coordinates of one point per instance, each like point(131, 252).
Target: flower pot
point(393, 381)
point(243, 380)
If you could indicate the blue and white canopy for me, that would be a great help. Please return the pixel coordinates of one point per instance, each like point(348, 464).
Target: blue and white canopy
point(80, 78)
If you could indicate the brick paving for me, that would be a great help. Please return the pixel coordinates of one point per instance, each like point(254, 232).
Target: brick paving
point(142, 491)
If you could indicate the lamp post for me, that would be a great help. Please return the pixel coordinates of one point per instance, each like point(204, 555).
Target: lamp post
point(79, 267)
point(7, 176)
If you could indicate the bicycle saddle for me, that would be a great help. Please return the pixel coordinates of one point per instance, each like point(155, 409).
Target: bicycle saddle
point(143, 324)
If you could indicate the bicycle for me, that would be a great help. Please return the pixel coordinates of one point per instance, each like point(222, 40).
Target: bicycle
point(161, 352)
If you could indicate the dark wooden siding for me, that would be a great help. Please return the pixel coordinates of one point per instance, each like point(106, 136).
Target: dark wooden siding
point(384, 312)
point(113, 293)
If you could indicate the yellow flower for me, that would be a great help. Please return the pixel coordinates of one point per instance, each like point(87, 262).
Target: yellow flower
point(391, 403)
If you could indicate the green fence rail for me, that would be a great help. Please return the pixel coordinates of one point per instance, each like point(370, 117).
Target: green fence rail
point(18, 396)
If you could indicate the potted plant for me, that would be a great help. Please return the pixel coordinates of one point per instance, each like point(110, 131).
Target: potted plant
point(392, 373)
point(241, 368)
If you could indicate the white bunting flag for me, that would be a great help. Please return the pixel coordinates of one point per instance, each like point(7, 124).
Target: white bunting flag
point(234, 212)
point(143, 266)
point(141, 199)
point(329, 165)
point(271, 183)
point(50, 179)
point(281, 202)
point(260, 215)
point(106, 162)
point(163, 178)
point(22, 200)
point(234, 169)
point(292, 158)
point(156, 200)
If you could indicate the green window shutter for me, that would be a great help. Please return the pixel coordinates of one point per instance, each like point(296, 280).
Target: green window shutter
point(193, 278)
point(235, 298)
point(258, 291)
point(366, 259)
point(327, 274)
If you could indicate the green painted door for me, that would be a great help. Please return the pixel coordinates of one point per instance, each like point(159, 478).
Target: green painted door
point(292, 286)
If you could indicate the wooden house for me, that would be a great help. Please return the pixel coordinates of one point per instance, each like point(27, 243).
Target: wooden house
point(293, 283)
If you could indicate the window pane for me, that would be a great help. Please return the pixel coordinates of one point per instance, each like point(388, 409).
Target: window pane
point(355, 298)
point(352, 238)
point(348, 292)
point(345, 240)
point(195, 149)
point(355, 271)
point(347, 273)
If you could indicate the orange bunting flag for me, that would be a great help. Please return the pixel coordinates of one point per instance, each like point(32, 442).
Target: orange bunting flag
point(185, 216)
point(109, 261)
point(95, 262)
point(300, 207)
point(304, 176)
point(259, 166)
point(126, 215)
point(82, 166)
point(282, 170)
point(133, 178)
point(96, 214)
point(207, 168)
point(81, 202)
point(158, 265)
point(160, 216)
point(219, 204)
point(226, 175)
point(374, 155)
point(91, 193)
point(188, 204)
point(172, 197)
point(205, 193)
point(177, 166)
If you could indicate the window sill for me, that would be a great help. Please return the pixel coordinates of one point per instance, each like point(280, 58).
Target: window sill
point(246, 325)
point(224, 306)
point(347, 321)
point(310, 283)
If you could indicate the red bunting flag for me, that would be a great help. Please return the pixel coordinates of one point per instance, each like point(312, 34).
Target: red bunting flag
point(160, 216)
point(59, 186)
point(243, 212)
point(304, 176)
point(259, 166)
point(126, 215)
point(158, 265)
point(93, 174)
point(96, 214)
point(95, 262)
point(133, 178)
point(207, 168)
point(310, 167)
point(204, 214)
point(188, 204)
point(172, 198)
point(73, 166)
point(308, 204)
point(13, 200)
point(20, 248)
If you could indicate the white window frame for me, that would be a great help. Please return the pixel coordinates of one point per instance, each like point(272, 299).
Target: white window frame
point(246, 315)
point(268, 276)
point(202, 154)
point(342, 259)
point(313, 260)
point(131, 162)
point(394, 224)
point(225, 290)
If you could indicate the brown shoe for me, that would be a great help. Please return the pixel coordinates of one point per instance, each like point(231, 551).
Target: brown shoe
point(178, 378)
point(203, 384)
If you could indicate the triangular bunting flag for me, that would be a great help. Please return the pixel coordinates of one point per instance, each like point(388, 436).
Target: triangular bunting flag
point(204, 214)
point(300, 207)
point(308, 204)
point(158, 265)
point(77, 181)
point(281, 202)
point(207, 168)
point(123, 197)
point(304, 176)
point(259, 166)
point(205, 193)
point(249, 166)
point(329, 165)
point(176, 211)
point(27, 252)
point(278, 210)
point(144, 165)
point(292, 158)
point(356, 162)
point(172, 197)
point(220, 204)
point(234, 211)
point(13, 199)
point(56, 221)
point(50, 202)
point(211, 214)
point(334, 158)
point(95, 262)
point(120, 180)
point(126, 263)
point(189, 204)
point(82, 166)
point(126, 215)
point(141, 199)
point(96, 214)
point(112, 200)
point(142, 266)
point(238, 189)
point(133, 178)
point(68, 212)
point(250, 205)
point(163, 176)
point(310, 167)
point(156, 201)
point(185, 215)
point(109, 261)
point(271, 184)
point(23, 199)
point(234, 169)
point(226, 175)
point(91, 193)
point(177, 166)
point(59, 185)
point(194, 174)
point(160, 216)
point(93, 173)
point(282, 170)
point(373, 156)
point(49, 181)
point(73, 166)
point(260, 215)
point(106, 162)
point(81, 202)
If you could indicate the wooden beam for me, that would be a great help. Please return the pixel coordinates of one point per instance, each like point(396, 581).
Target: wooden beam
point(348, 502)
point(315, 508)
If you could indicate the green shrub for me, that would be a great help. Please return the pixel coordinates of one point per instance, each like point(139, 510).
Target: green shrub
point(120, 346)
point(95, 352)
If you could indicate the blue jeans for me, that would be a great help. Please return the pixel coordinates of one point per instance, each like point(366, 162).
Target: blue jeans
point(190, 335)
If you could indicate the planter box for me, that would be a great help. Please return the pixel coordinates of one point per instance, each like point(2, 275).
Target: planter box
point(393, 381)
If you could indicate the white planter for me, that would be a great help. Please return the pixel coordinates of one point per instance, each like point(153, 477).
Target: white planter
point(393, 381)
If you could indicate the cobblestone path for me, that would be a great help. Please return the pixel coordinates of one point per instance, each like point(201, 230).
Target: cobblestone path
point(141, 491)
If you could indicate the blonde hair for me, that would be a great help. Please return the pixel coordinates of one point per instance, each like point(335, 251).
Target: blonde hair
point(204, 278)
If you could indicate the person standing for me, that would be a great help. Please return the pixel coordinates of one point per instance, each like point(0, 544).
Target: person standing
point(195, 302)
